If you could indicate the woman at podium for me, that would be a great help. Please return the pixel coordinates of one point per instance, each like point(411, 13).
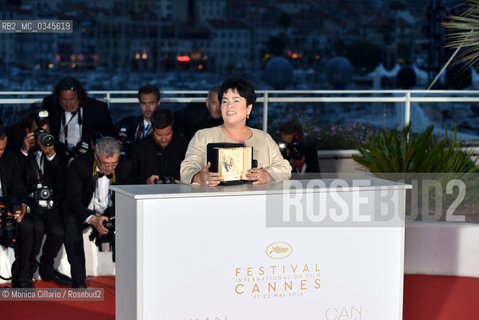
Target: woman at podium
point(237, 97)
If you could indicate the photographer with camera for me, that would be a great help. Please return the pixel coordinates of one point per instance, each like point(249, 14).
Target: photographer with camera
point(134, 128)
point(302, 157)
point(13, 192)
point(44, 166)
point(157, 158)
point(89, 201)
point(74, 115)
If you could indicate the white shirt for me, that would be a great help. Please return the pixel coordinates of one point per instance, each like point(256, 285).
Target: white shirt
point(100, 199)
point(73, 129)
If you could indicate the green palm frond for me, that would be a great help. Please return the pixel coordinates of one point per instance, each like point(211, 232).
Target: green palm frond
point(408, 152)
point(464, 32)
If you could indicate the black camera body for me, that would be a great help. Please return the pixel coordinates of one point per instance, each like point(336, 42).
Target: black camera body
point(292, 150)
point(123, 135)
point(125, 139)
point(8, 224)
point(110, 225)
point(82, 147)
point(45, 138)
point(106, 242)
point(44, 196)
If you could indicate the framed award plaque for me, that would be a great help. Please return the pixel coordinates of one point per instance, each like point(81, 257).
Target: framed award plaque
point(230, 160)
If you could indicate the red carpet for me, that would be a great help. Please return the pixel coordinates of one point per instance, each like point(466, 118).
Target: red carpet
point(71, 310)
point(425, 297)
point(440, 298)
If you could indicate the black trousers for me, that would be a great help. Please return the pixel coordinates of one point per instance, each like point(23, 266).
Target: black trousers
point(47, 222)
point(21, 269)
point(74, 244)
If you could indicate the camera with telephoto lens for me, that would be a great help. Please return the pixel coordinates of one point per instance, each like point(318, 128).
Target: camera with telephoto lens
point(292, 150)
point(164, 180)
point(105, 242)
point(44, 196)
point(45, 138)
point(8, 224)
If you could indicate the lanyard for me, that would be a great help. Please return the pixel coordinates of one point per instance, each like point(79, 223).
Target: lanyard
point(142, 130)
point(65, 125)
point(39, 164)
point(146, 130)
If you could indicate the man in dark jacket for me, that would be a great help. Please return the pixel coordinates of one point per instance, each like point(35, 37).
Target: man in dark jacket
point(44, 166)
point(88, 200)
point(198, 116)
point(12, 191)
point(75, 117)
point(134, 128)
point(157, 158)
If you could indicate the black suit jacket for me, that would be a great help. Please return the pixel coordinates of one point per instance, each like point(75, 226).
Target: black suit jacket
point(149, 158)
point(81, 184)
point(311, 158)
point(96, 118)
point(192, 118)
point(128, 127)
point(53, 172)
point(130, 124)
point(11, 179)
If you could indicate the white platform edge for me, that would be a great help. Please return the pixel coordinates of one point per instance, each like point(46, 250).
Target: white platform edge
point(442, 248)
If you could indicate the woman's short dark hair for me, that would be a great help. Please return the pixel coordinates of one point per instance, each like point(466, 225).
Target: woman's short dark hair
point(70, 83)
point(244, 87)
point(162, 118)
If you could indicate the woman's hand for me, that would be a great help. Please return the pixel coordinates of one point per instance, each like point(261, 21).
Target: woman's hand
point(258, 175)
point(207, 178)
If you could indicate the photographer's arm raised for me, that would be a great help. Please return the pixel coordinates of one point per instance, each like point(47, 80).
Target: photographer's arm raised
point(28, 142)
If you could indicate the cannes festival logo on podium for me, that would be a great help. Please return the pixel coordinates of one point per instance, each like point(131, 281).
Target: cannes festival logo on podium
point(279, 278)
point(279, 250)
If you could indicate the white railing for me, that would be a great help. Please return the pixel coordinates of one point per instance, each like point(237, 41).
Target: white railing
point(266, 97)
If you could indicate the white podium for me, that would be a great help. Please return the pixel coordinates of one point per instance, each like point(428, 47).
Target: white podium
point(311, 249)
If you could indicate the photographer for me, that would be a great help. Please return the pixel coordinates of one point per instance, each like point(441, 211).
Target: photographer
point(12, 191)
point(88, 200)
point(43, 160)
point(157, 158)
point(74, 115)
point(302, 157)
point(134, 128)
